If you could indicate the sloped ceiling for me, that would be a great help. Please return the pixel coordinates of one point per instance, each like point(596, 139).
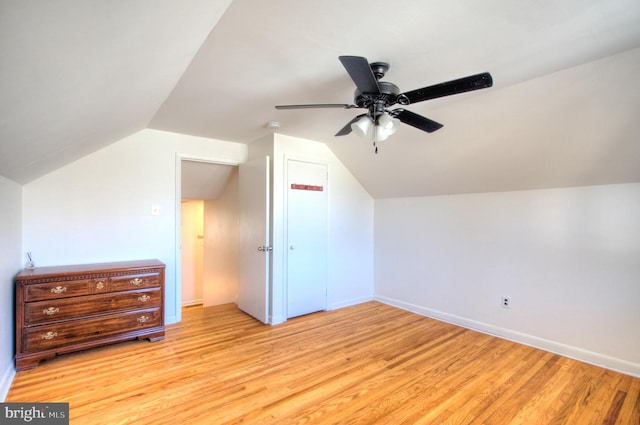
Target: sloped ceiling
point(77, 75)
point(201, 180)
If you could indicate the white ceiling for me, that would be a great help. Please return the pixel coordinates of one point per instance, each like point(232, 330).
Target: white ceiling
point(203, 180)
point(77, 75)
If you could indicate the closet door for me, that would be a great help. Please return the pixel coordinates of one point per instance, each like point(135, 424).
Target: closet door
point(306, 237)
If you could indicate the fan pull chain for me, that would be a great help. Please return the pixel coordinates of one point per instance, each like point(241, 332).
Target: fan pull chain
point(373, 136)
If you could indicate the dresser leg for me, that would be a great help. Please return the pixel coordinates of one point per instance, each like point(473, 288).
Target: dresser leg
point(154, 337)
point(31, 361)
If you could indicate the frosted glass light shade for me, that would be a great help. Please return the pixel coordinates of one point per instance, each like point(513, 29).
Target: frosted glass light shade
point(362, 126)
point(381, 133)
point(389, 125)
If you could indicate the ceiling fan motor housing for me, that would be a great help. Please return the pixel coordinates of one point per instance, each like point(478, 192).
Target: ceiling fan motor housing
point(389, 95)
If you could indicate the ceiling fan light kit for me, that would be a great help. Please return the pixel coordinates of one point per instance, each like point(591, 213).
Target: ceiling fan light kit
point(377, 96)
point(383, 127)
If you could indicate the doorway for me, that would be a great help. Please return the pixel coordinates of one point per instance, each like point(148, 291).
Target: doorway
point(208, 236)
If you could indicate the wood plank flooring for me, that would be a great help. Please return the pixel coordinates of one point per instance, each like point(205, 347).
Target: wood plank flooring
point(366, 364)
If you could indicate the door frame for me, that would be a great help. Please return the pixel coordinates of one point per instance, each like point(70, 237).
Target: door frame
point(178, 214)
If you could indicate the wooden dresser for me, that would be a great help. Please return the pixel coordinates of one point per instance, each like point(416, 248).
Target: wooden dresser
point(69, 308)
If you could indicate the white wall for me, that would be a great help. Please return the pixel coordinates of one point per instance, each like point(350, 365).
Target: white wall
point(11, 262)
point(99, 208)
point(221, 245)
point(350, 227)
point(192, 270)
point(568, 258)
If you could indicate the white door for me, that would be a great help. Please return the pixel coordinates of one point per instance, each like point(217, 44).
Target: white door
point(254, 244)
point(306, 237)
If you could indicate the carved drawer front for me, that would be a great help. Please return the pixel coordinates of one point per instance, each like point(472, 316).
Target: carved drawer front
point(91, 305)
point(135, 281)
point(62, 289)
point(65, 333)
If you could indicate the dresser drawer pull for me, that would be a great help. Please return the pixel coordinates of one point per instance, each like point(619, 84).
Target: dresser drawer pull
point(50, 311)
point(136, 282)
point(58, 289)
point(143, 319)
point(144, 298)
point(49, 335)
point(100, 285)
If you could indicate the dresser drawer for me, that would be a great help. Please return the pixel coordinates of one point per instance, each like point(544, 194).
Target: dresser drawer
point(72, 288)
point(67, 308)
point(63, 333)
point(135, 281)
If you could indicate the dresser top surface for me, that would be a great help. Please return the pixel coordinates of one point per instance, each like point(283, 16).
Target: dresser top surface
point(40, 272)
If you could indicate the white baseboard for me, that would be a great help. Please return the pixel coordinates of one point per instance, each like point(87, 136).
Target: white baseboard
point(5, 382)
point(192, 302)
point(278, 319)
point(597, 359)
point(348, 303)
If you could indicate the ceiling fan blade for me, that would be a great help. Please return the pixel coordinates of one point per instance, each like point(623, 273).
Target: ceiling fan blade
point(361, 74)
point(347, 128)
point(461, 85)
point(317, 105)
point(415, 120)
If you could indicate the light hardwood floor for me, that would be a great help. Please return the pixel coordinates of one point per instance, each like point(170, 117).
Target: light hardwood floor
point(368, 364)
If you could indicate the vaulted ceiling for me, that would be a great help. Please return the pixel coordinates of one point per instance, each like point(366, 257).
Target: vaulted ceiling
point(77, 75)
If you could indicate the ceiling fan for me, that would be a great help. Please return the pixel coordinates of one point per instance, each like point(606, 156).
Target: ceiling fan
point(377, 96)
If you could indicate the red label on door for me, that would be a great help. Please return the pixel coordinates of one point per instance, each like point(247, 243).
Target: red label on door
point(306, 187)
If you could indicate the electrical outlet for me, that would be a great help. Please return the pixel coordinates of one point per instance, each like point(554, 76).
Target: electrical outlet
point(505, 302)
